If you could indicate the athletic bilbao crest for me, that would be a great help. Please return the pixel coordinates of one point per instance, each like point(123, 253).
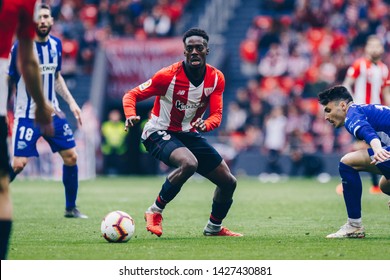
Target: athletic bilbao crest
point(208, 91)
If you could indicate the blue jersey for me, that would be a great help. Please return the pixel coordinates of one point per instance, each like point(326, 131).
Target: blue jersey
point(49, 56)
point(25, 132)
point(367, 122)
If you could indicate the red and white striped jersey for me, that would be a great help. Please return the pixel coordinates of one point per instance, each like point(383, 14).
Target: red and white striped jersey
point(178, 102)
point(16, 16)
point(370, 79)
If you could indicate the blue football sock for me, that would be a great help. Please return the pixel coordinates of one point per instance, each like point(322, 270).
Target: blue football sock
point(374, 179)
point(71, 184)
point(352, 190)
point(167, 193)
point(219, 211)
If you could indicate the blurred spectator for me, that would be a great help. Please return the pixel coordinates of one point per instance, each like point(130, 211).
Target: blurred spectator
point(274, 63)
point(297, 62)
point(70, 49)
point(249, 56)
point(270, 34)
point(243, 98)
point(319, 79)
point(236, 117)
point(273, 93)
point(157, 23)
point(257, 113)
point(114, 145)
point(307, 165)
point(275, 139)
point(253, 137)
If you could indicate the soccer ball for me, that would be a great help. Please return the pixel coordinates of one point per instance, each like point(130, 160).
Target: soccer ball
point(117, 226)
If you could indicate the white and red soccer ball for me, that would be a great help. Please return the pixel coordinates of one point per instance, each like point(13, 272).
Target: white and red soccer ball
point(117, 226)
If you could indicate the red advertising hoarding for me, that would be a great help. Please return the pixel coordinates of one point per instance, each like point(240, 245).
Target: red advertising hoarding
point(132, 62)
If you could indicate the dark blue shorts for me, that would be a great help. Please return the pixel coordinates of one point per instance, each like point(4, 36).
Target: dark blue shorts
point(4, 157)
point(161, 144)
point(384, 167)
point(27, 135)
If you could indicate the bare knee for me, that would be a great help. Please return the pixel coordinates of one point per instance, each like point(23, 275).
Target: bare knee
point(186, 164)
point(19, 164)
point(70, 158)
point(185, 170)
point(384, 184)
point(4, 182)
point(359, 160)
point(188, 167)
point(346, 159)
point(231, 184)
point(224, 192)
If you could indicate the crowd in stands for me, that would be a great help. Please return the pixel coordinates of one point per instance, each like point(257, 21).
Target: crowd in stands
point(292, 51)
point(83, 23)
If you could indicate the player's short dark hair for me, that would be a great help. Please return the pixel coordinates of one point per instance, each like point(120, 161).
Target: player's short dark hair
point(45, 6)
point(195, 32)
point(336, 93)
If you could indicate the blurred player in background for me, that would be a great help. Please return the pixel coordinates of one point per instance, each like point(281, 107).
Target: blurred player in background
point(370, 123)
point(17, 16)
point(368, 79)
point(183, 92)
point(113, 145)
point(25, 134)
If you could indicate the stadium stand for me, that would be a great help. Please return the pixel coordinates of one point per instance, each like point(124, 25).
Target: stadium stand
point(273, 53)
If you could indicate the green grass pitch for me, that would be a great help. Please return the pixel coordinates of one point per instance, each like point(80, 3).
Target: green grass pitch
point(281, 221)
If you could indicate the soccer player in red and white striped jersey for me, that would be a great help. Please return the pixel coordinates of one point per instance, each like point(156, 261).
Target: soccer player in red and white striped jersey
point(368, 78)
point(183, 92)
point(17, 17)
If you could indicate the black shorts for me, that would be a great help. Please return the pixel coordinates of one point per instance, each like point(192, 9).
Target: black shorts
point(4, 157)
point(161, 144)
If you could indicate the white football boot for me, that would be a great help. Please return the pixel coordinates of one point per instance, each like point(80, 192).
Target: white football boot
point(348, 231)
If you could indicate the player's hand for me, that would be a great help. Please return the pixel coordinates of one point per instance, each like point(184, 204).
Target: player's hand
point(43, 118)
point(380, 155)
point(76, 112)
point(199, 125)
point(131, 121)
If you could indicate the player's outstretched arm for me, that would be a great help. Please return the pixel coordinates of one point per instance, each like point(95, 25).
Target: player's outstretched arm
point(63, 91)
point(29, 68)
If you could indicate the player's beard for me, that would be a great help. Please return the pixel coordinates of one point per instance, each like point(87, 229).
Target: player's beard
point(42, 34)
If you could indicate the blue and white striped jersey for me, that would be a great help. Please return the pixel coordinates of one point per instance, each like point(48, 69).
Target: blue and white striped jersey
point(49, 55)
point(367, 122)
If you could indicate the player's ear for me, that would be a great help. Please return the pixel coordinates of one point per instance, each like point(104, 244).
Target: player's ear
point(207, 51)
